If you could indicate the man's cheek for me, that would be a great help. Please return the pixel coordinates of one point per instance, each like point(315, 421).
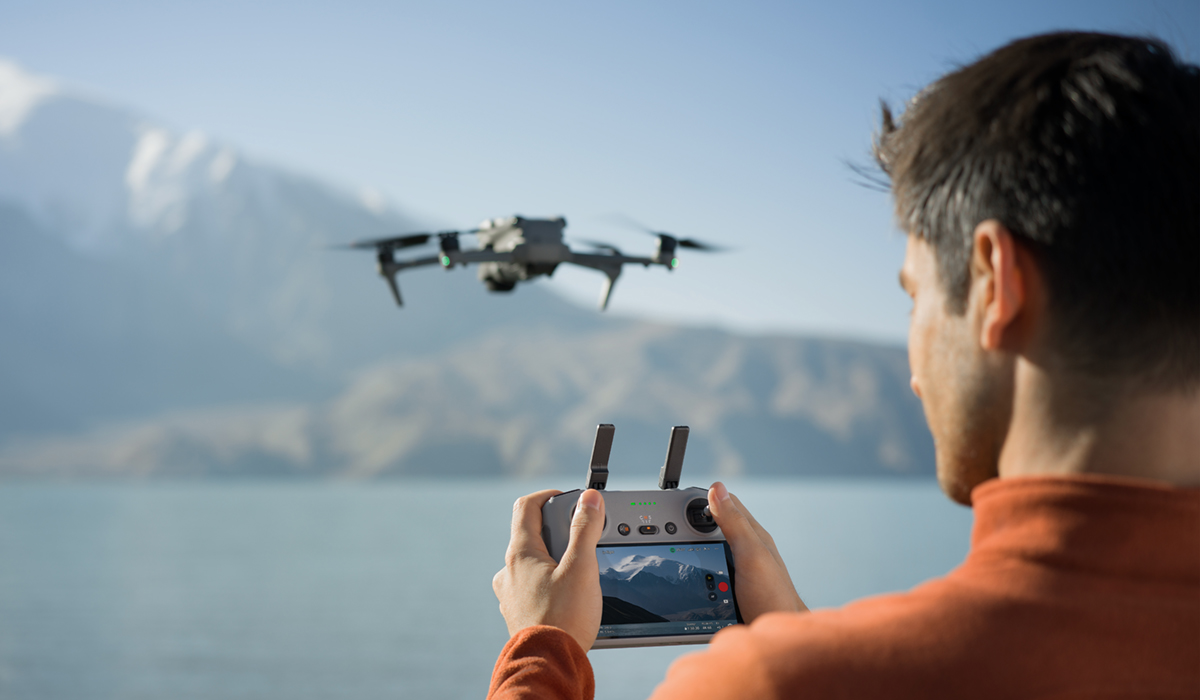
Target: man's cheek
point(917, 345)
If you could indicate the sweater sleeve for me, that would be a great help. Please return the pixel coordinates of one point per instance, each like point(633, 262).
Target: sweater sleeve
point(729, 668)
point(542, 662)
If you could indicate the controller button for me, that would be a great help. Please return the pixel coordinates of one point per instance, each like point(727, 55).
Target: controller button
point(723, 586)
point(648, 529)
point(671, 528)
point(623, 529)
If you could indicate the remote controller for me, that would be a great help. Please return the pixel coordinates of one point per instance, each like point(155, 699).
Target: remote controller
point(666, 572)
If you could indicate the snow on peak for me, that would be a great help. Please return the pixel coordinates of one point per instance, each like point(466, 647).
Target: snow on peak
point(372, 200)
point(166, 172)
point(97, 173)
point(20, 92)
point(637, 562)
point(632, 565)
point(147, 154)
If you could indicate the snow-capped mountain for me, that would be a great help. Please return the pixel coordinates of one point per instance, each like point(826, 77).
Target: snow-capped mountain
point(170, 305)
point(247, 243)
point(96, 198)
point(632, 565)
point(96, 172)
point(661, 586)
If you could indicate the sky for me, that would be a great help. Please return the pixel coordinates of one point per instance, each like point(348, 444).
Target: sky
point(733, 123)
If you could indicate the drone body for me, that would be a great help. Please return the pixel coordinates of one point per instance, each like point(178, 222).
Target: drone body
point(516, 249)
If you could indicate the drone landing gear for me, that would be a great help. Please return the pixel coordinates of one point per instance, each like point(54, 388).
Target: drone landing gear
point(606, 290)
point(388, 270)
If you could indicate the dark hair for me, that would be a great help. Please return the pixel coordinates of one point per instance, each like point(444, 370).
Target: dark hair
point(1086, 147)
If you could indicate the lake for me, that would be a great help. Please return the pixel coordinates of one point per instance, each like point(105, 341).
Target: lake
point(309, 589)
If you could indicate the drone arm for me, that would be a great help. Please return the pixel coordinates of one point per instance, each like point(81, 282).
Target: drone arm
point(603, 262)
point(466, 257)
point(415, 262)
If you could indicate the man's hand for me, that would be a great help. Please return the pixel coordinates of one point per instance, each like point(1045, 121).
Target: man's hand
point(534, 590)
point(763, 583)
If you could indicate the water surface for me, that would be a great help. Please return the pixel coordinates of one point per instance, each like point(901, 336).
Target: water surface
point(300, 590)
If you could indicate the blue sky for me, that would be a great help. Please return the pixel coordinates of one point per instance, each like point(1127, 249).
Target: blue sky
point(730, 122)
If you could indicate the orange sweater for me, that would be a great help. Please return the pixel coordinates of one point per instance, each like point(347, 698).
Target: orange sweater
point(1077, 587)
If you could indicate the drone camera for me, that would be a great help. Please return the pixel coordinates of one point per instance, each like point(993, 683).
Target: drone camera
point(668, 477)
point(598, 468)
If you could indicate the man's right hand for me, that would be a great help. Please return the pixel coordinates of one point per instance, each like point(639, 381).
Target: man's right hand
point(763, 583)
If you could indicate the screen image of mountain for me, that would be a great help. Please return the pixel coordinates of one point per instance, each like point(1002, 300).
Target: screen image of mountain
point(655, 584)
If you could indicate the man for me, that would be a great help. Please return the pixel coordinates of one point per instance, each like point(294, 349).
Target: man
point(1051, 195)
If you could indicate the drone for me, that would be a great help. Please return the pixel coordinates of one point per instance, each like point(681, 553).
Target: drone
point(516, 249)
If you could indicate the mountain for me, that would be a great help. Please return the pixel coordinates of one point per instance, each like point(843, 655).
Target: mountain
point(82, 339)
point(527, 403)
point(661, 586)
point(664, 568)
point(619, 612)
point(104, 212)
point(171, 306)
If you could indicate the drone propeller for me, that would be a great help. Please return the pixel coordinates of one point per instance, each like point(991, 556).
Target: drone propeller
point(392, 242)
point(407, 240)
point(697, 245)
point(629, 222)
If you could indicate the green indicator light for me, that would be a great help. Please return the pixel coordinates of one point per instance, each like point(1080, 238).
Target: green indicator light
point(445, 261)
point(674, 262)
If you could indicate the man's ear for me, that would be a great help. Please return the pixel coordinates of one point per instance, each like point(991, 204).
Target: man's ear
point(1000, 277)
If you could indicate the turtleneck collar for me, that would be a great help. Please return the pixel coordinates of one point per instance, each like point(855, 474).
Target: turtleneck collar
point(1111, 526)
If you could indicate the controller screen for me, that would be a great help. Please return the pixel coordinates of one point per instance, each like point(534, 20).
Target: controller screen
point(665, 589)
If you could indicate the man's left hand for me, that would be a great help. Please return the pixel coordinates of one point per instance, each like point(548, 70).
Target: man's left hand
point(535, 590)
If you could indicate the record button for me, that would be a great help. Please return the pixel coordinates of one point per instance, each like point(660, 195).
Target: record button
point(623, 529)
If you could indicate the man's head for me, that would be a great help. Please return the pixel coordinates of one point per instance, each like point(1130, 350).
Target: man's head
point(1081, 154)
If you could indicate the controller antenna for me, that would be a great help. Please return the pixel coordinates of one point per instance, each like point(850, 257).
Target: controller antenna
point(598, 469)
point(668, 478)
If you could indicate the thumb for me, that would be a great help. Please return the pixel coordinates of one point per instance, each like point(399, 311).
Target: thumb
point(732, 521)
point(586, 526)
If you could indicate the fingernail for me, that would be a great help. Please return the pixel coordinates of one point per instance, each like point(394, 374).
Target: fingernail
point(722, 492)
point(591, 499)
